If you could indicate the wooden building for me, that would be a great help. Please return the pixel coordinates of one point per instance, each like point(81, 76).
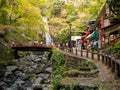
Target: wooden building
point(108, 24)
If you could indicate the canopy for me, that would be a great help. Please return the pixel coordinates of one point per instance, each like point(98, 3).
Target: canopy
point(94, 35)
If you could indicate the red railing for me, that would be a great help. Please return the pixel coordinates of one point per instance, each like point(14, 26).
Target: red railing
point(29, 45)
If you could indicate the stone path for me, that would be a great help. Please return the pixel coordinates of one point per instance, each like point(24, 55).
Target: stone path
point(106, 78)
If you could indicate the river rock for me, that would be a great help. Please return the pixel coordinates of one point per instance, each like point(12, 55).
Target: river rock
point(29, 88)
point(37, 82)
point(20, 82)
point(31, 72)
point(45, 88)
point(19, 73)
point(10, 69)
point(48, 70)
point(37, 60)
point(13, 87)
point(45, 76)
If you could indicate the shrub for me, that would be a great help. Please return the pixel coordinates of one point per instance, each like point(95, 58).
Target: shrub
point(115, 48)
point(58, 60)
point(5, 54)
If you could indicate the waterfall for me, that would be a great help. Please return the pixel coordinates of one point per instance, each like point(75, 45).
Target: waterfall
point(49, 39)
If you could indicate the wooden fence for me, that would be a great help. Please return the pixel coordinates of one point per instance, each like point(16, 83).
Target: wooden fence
point(109, 60)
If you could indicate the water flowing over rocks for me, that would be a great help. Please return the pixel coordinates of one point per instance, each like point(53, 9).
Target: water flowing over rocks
point(32, 72)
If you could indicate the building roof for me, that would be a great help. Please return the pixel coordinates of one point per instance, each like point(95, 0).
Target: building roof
point(111, 28)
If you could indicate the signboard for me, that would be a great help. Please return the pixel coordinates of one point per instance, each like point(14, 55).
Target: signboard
point(75, 38)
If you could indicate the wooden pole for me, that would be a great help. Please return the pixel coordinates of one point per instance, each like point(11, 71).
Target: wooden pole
point(81, 52)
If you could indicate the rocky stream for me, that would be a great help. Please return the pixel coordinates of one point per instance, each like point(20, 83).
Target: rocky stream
point(32, 72)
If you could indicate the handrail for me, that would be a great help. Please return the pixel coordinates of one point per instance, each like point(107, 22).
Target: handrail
point(109, 43)
point(110, 61)
point(29, 45)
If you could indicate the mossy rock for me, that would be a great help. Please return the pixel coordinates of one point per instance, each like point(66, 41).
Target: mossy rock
point(92, 73)
point(72, 73)
point(77, 73)
point(88, 64)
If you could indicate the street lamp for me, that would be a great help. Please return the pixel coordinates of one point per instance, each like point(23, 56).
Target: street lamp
point(70, 25)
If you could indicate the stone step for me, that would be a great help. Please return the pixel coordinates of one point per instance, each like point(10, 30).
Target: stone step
point(79, 84)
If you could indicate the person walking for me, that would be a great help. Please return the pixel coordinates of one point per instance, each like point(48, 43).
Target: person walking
point(79, 44)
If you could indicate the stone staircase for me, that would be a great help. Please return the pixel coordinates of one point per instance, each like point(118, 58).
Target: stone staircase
point(80, 74)
point(80, 68)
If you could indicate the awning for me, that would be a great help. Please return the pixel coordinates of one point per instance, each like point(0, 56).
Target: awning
point(94, 35)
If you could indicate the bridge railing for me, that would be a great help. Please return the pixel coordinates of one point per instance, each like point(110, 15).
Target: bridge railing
point(30, 45)
point(110, 60)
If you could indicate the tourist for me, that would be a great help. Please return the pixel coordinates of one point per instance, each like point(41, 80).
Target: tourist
point(79, 44)
point(95, 45)
point(89, 47)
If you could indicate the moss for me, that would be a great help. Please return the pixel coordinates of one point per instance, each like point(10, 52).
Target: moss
point(58, 60)
point(88, 64)
point(6, 54)
point(72, 73)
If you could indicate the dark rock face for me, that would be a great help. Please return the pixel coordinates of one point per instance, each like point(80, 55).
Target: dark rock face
point(32, 72)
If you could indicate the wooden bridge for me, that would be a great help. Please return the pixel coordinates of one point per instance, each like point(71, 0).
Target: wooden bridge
point(30, 47)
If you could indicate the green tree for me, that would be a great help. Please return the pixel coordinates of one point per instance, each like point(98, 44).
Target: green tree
point(115, 7)
point(3, 12)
